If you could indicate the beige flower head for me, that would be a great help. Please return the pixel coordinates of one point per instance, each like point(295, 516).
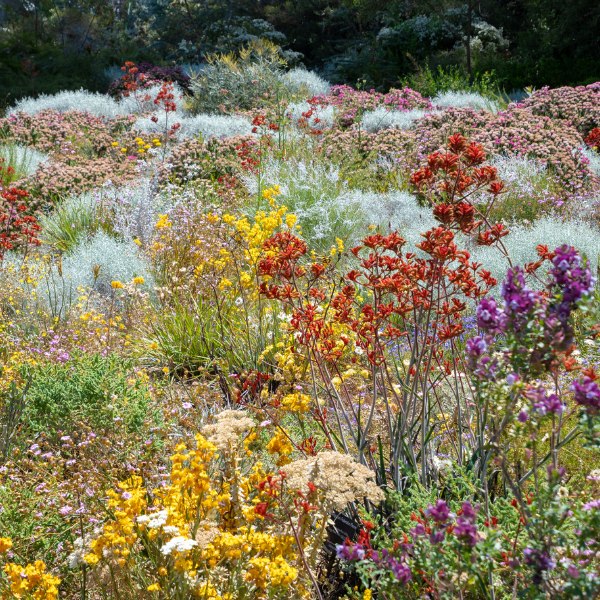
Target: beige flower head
point(226, 432)
point(338, 477)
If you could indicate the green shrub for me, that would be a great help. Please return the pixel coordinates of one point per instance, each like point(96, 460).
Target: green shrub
point(243, 81)
point(88, 388)
point(71, 221)
point(453, 78)
point(18, 162)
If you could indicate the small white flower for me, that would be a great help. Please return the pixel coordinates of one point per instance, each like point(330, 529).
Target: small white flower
point(179, 544)
point(157, 520)
point(171, 529)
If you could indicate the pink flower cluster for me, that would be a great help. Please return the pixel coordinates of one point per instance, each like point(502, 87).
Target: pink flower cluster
point(50, 131)
point(516, 131)
point(579, 106)
point(352, 102)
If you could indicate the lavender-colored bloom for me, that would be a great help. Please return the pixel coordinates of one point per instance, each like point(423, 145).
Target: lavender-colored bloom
point(540, 560)
point(487, 368)
point(489, 316)
point(587, 393)
point(519, 300)
point(569, 274)
point(437, 537)
point(401, 571)
point(476, 346)
point(466, 531)
point(349, 551)
point(468, 511)
point(512, 378)
point(543, 403)
point(440, 513)
point(592, 505)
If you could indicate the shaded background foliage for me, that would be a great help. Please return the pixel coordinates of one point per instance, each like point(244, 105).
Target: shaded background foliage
point(48, 45)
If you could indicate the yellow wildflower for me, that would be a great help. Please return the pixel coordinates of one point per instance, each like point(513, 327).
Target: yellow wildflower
point(163, 222)
point(296, 402)
point(280, 444)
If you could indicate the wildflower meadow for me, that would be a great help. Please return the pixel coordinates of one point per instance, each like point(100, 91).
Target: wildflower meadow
point(263, 337)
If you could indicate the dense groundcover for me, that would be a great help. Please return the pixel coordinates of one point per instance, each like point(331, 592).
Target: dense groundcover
point(263, 337)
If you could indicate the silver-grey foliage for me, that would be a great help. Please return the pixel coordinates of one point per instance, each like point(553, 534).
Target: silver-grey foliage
point(465, 100)
point(307, 82)
point(522, 240)
point(23, 159)
point(382, 118)
point(206, 125)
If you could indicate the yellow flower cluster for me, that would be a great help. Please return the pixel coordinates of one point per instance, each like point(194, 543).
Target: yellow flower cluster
point(163, 222)
point(257, 233)
point(296, 402)
point(192, 528)
point(280, 444)
point(140, 146)
point(119, 535)
point(31, 581)
point(271, 193)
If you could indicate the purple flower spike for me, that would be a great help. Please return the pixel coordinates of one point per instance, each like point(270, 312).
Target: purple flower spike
point(489, 316)
point(440, 513)
point(587, 393)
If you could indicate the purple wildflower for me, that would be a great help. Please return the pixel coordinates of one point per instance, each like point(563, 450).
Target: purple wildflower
point(489, 316)
point(440, 513)
point(543, 403)
point(540, 561)
point(587, 393)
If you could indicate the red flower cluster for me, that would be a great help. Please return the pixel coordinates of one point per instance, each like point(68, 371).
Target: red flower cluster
point(17, 227)
point(166, 98)
point(260, 123)
point(401, 286)
point(249, 386)
point(451, 178)
point(132, 80)
point(6, 173)
point(310, 123)
point(593, 139)
point(249, 153)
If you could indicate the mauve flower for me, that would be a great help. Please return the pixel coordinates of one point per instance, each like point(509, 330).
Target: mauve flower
point(466, 531)
point(440, 513)
point(571, 277)
point(587, 393)
point(540, 561)
point(489, 316)
point(544, 403)
point(350, 551)
point(518, 298)
point(437, 537)
point(468, 511)
point(476, 346)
